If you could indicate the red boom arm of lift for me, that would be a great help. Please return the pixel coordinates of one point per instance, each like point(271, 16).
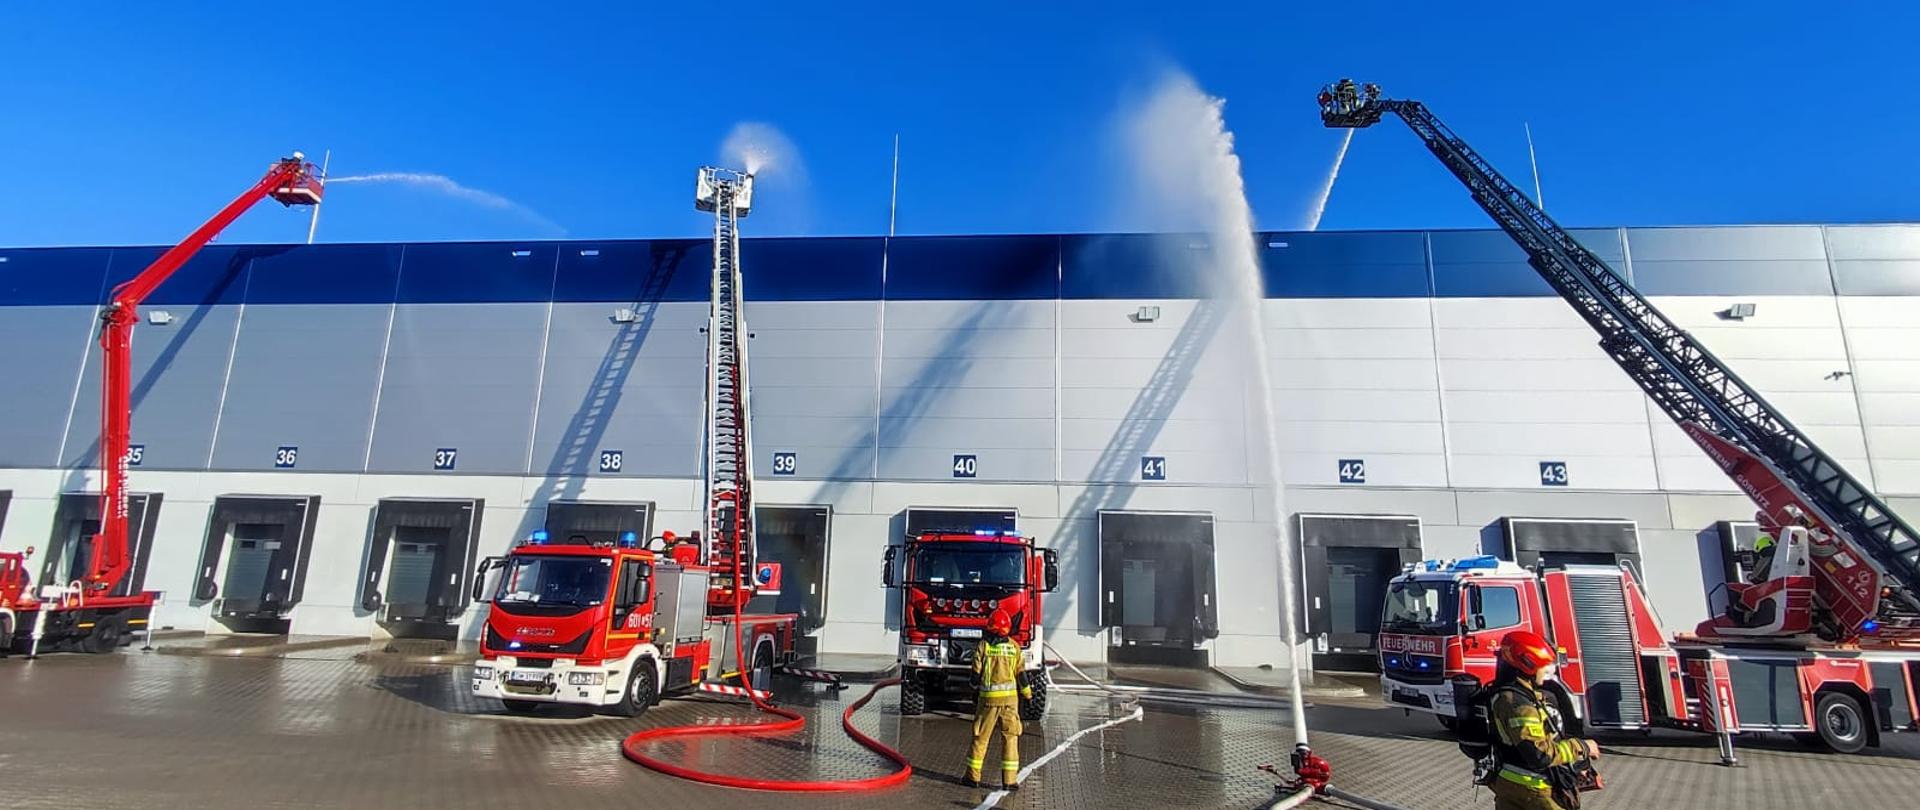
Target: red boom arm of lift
point(291, 181)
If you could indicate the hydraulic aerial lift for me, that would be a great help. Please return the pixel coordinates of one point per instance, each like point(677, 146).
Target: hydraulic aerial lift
point(84, 614)
point(1837, 604)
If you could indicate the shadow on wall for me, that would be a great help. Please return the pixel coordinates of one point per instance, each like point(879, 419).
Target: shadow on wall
point(567, 471)
point(236, 268)
point(905, 410)
point(1142, 424)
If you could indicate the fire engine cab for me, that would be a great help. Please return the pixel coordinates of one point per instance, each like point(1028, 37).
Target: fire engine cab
point(612, 625)
point(950, 582)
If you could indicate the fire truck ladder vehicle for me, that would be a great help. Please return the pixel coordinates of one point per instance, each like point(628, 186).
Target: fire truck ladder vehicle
point(1794, 482)
point(85, 614)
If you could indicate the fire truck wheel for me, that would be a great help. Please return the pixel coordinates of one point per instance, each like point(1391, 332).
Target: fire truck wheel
point(106, 636)
point(1034, 708)
point(913, 697)
point(761, 676)
point(1842, 725)
point(640, 692)
point(521, 706)
point(1570, 723)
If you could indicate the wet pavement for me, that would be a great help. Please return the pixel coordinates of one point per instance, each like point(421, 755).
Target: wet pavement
point(318, 729)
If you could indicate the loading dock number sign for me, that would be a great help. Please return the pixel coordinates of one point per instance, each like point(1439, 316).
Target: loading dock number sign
point(967, 466)
point(1153, 468)
point(1353, 471)
point(612, 460)
point(1553, 473)
point(285, 457)
point(135, 454)
point(785, 463)
point(444, 458)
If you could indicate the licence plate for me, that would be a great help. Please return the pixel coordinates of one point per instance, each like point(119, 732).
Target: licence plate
point(517, 676)
point(966, 632)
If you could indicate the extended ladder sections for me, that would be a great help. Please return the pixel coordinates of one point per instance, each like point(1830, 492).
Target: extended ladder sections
point(729, 450)
point(1689, 382)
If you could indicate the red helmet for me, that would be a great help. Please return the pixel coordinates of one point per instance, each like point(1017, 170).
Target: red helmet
point(1526, 651)
point(1000, 624)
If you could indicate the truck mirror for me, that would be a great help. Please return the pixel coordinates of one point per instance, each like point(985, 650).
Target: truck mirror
point(886, 567)
point(480, 578)
point(1051, 566)
point(1479, 622)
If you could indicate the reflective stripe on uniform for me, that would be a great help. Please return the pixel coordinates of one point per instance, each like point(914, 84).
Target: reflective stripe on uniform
point(1521, 776)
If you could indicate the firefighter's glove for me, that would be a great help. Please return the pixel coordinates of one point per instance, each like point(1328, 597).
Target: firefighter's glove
point(1026, 692)
point(1593, 749)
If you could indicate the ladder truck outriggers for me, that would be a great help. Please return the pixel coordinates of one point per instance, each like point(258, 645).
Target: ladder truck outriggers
point(95, 612)
point(618, 625)
point(1821, 641)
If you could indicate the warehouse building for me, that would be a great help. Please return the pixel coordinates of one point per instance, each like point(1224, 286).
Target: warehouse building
point(328, 438)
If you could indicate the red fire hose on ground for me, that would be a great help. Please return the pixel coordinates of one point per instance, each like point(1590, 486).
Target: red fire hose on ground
point(793, 721)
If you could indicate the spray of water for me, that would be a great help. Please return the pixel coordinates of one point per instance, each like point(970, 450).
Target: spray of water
point(443, 184)
point(1326, 189)
point(1183, 153)
point(762, 149)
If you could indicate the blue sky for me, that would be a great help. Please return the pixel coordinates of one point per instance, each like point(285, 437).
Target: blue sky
point(130, 123)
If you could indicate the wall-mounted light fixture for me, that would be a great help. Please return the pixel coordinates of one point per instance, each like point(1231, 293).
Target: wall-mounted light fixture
point(159, 317)
point(625, 315)
point(1146, 314)
point(1738, 312)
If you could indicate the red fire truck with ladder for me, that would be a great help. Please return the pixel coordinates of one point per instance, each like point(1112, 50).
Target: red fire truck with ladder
point(1822, 641)
point(619, 625)
point(950, 582)
point(85, 614)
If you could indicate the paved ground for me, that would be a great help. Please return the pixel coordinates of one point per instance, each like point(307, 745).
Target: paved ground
point(319, 729)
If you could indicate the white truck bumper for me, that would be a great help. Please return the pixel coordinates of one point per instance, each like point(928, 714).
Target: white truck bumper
point(1431, 698)
point(564, 682)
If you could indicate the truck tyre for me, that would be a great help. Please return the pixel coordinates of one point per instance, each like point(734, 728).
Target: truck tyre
point(913, 697)
point(1034, 708)
point(640, 692)
point(1841, 722)
point(761, 676)
point(106, 636)
point(6, 634)
point(1570, 723)
point(520, 706)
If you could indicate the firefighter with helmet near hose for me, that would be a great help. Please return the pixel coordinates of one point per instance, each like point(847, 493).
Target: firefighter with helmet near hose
point(1540, 767)
point(997, 663)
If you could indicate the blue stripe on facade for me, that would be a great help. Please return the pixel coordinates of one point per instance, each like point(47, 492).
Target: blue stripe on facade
point(1758, 260)
point(973, 268)
point(325, 274)
point(53, 276)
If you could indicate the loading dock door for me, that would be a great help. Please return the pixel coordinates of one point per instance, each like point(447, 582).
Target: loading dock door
point(796, 538)
point(924, 519)
point(1346, 561)
point(598, 521)
point(1157, 586)
point(419, 563)
point(1557, 542)
point(253, 561)
point(77, 519)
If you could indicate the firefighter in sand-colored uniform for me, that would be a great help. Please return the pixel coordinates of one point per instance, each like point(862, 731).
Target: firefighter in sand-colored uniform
point(996, 670)
point(1534, 754)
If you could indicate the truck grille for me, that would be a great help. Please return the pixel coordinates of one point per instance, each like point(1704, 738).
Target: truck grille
point(1607, 656)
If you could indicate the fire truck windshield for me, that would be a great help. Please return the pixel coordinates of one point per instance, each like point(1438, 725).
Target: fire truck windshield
point(1417, 605)
point(960, 564)
point(555, 581)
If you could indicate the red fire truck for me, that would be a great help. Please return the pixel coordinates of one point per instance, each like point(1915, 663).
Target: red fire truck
point(615, 626)
point(1824, 639)
point(950, 582)
point(87, 614)
point(1445, 618)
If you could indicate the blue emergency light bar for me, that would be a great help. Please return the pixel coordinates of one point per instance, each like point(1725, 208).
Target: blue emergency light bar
point(539, 537)
point(629, 539)
point(1482, 561)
